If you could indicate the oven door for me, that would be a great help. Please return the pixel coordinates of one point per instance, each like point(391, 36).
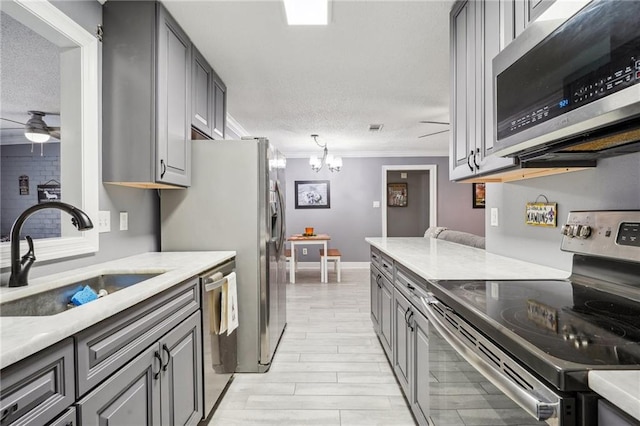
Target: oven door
point(474, 382)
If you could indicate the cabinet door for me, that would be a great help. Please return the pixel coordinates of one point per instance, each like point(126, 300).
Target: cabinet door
point(401, 341)
point(490, 14)
point(535, 8)
point(182, 374)
point(376, 276)
point(220, 107)
point(173, 149)
point(202, 94)
point(419, 370)
point(129, 397)
point(37, 389)
point(463, 86)
point(386, 312)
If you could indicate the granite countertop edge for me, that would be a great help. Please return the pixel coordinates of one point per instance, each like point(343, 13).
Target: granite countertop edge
point(434, 259)
point(620, 387)
point(21, 337)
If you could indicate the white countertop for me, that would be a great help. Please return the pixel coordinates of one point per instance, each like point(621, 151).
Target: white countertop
point(24, 336)
point(435, 259)
point(620, 387)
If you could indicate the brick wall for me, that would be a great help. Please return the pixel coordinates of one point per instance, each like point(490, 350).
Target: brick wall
point(18, 160)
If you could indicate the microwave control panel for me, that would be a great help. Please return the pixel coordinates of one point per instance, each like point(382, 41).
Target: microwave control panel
point(606, 80)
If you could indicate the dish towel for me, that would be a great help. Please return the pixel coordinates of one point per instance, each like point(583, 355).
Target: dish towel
point(232, 303)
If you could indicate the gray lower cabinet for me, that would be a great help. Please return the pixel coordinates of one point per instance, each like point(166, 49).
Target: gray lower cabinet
point(411, 355)
point(36, 390)
point(382, 308)
point(401, 340)
point(147, 97)
point(376, 276)
point(67, 419)
point(419, 366)
point(161, 386)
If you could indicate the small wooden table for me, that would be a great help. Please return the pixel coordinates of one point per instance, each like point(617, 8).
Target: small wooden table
point(321, 239)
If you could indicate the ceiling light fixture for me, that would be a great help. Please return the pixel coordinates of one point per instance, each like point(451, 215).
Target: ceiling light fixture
point(36, 130)
point(334, 164)
point(307, 12)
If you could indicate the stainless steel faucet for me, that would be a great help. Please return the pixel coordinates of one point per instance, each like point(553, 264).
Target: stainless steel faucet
point(20, 267)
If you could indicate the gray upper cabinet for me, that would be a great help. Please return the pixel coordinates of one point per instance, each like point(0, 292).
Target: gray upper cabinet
point(476, 31)
point(209, 99)
point(146, 97)
point(220, 107)
point(202, 95)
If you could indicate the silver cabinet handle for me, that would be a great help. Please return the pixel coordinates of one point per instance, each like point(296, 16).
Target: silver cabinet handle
point(536, 407)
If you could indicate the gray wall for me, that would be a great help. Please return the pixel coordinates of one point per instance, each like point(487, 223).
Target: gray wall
point(143, 205)
point(412, 220)
point(614, 184)
point(352, 217)
point(18, 160)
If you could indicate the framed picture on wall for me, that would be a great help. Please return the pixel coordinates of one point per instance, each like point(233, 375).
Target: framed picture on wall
point(312, 194)
point(397, 195)
point(478, 196)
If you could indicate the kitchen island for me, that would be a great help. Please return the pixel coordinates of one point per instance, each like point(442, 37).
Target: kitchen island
point(405, 270)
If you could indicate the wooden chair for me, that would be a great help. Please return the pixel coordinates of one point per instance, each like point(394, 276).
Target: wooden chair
point(333, 255)
point(287, 253)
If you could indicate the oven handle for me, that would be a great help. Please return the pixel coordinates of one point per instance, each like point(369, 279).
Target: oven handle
point(540, 409)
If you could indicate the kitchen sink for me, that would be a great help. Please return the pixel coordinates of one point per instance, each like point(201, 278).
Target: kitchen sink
point(58, 300)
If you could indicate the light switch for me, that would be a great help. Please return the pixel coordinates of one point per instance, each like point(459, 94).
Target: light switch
point(494, 216)
point(376, 204)
point(124, 221)
point(403, 175)
point(104, 221)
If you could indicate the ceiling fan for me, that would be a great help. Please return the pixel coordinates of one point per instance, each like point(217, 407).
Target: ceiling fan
point(35, 129)
point(434, 122)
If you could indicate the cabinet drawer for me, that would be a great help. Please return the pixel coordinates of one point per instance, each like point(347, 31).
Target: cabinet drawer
point(67, 419)
point(386, 266)
point(108, 345)
point(37, 389)
point(406, 279)
point(375, 258)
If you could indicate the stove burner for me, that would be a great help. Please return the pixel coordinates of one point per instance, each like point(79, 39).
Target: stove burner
point(510, 292)
point(606, 307)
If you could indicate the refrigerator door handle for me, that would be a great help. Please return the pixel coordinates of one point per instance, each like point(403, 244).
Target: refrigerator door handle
point(282, 223)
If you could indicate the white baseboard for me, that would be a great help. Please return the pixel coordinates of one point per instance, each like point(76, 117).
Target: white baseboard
point(343, 265)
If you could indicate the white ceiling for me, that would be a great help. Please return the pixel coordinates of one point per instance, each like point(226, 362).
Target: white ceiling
point(377, 62)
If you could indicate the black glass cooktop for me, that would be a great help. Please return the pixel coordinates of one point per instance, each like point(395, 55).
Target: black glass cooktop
point(566, 320)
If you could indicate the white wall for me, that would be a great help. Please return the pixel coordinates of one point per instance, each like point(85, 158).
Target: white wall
point(613, 185)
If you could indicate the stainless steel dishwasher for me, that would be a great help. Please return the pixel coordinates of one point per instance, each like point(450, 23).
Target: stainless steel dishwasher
point(219, 351)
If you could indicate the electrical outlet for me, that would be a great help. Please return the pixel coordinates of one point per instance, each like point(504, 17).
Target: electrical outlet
point(304, 251)
point(494, 216)
point(104, 221)
point(124, 221)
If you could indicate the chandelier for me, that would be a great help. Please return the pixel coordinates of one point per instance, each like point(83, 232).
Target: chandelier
point(334, 164)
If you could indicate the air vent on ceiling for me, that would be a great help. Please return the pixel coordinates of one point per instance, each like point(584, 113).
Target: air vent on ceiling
point(375, 127)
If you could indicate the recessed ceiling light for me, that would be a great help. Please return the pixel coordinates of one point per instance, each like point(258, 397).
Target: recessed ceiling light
point(307, 12)
point(375, 127)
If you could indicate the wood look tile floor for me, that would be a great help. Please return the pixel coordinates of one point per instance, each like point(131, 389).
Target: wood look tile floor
point(329, 368)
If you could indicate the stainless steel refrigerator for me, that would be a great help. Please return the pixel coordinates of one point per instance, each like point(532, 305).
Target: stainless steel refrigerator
point(237, 202)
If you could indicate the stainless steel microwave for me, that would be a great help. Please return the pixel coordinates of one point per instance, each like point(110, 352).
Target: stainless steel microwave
point(569, 86)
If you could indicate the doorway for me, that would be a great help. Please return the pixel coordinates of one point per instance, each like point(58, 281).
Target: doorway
point(409, 217)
